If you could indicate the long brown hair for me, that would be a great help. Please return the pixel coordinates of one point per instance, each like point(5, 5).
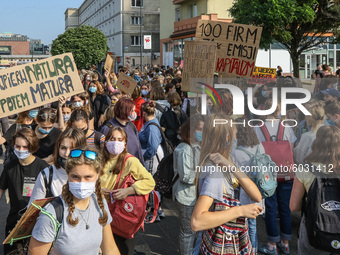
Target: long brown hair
point(121, 157)
point(325, 148)
point(67, 195)
point(76, 135)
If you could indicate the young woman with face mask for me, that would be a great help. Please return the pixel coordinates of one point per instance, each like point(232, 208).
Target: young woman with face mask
point(125, 113)
point(79, 119)
point(115, 152)
point(186, 157)
point(98, 101)
point(86, 219)
point(19, 175)
point(24, 119)
point(214, 186)
point(69, 139)
point(81, 101)
point(47, 134)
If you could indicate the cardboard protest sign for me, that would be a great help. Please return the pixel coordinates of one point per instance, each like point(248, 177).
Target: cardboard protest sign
point(263, 75)
point(26, 223)
point(237, 46)
point(126, 83)
point(28, 86)
point(108, 63)
point(199, 59)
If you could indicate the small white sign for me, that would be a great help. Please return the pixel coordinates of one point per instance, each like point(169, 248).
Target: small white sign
point(147, 42)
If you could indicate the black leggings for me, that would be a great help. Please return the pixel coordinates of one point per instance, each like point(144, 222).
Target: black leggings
point(125, 246)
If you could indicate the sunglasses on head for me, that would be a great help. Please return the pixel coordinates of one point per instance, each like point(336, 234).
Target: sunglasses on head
point(46, 116)
point(88, 154)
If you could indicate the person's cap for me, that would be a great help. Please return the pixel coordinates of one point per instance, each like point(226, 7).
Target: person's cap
point(332, 92)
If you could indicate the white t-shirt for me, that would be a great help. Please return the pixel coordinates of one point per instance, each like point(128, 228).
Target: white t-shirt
point(59, 179)
point(273, 127)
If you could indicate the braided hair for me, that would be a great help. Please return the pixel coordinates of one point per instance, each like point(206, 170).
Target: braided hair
point(97, 165)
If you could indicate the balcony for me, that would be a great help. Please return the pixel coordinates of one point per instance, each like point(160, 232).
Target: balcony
point(179, 1)
point(187, 27)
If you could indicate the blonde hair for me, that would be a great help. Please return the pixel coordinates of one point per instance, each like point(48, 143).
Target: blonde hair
point(97, 164)
point(214, 138)
point(318, 114)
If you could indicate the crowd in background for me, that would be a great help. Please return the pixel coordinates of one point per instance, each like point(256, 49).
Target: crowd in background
point(87, 139)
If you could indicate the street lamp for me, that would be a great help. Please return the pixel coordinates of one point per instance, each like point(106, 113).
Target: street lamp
point(141, 35)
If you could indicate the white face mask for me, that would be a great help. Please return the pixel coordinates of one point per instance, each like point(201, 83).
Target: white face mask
point(82, 190)
point(22, 154)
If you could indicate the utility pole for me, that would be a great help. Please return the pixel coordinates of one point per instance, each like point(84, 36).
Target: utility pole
point(123, 41)
point(141, 36)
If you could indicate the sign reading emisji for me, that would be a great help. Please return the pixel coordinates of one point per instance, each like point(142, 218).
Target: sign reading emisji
point(28, 86)
point(237, 46)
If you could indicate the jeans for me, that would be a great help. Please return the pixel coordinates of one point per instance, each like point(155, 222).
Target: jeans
point(186, 234)
point(125, 246)
point(198, 244)
point(252, 233)
point(279, 202)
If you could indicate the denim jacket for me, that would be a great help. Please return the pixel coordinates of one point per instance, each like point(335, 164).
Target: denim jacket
point(186, 158)
point(150, 138)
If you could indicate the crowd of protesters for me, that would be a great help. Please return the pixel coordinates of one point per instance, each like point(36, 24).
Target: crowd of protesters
point(83, 144)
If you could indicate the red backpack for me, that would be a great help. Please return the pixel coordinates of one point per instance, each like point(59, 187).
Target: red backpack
point(128, 215)
point(280, 152)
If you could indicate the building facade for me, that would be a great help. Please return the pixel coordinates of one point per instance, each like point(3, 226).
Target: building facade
point(19, 49)
point(178, 24)
point(122, 22)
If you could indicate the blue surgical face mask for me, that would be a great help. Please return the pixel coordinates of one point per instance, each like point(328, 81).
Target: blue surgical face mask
point(66, 117)
point(33, 113)
point(78, 104)
point(93, 89)
point(198, 136)
point(22, 154)
point(44, 131)
point(264, 93)
point(330, 122)
point(144, 92)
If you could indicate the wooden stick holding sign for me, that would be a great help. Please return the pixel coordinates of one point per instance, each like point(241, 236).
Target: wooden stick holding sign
point(199, 59)
point(237, 46)
point(108, 63)
point(126, 83)
point(35, 84)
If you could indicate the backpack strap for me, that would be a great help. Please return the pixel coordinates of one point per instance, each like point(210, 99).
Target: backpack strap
point(246, 152)
point(160, 108)
point(155, 200)
point(121, 171)
point(159, 128)
point(265, 132)
point(133, 127)
point(280, 132)
point(59, 208)
point(49, 182)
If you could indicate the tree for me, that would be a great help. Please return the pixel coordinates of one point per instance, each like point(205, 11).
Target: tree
point(299, 25)
point(87, 44)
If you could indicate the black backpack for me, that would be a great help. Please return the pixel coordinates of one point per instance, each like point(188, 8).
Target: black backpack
point(164, 176)
point(166, 144)
point(322, 213)
point(48, 182)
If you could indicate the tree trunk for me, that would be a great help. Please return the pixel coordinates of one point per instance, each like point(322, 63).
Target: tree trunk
point(296, 63)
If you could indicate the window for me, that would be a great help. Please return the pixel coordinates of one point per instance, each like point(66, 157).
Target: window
point(136, 3)
point(194, 10)
point(177, 14)
point(135, 41)
point(135, 20)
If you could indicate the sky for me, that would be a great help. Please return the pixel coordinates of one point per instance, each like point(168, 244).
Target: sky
point(38, 19)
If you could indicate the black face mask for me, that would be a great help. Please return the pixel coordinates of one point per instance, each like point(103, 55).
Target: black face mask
point(85, 131)
point(61, 161)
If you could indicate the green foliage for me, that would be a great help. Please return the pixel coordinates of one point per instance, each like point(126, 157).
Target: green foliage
point(298, 24)
point(87, 44)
